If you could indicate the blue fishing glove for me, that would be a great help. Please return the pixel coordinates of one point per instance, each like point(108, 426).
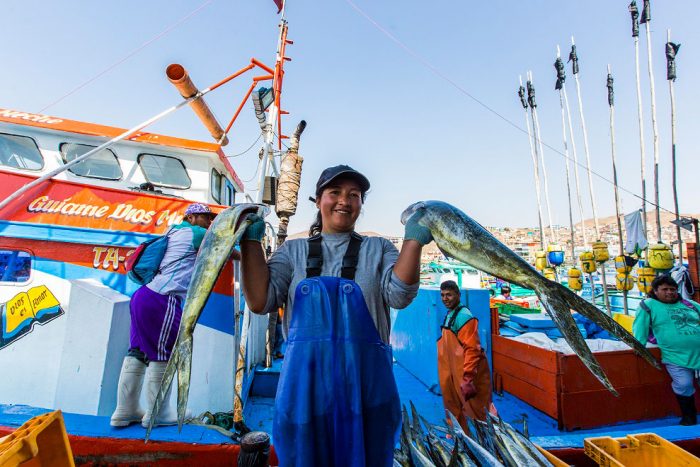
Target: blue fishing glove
point(416, 231)
point(256, 230)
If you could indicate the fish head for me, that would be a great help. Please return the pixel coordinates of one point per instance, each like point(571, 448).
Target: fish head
point(418, 207)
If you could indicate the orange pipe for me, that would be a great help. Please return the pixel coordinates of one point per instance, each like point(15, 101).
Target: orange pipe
point(240, 107)
point(177, 75)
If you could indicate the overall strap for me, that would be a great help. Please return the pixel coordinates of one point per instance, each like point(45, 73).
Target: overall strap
point(351, 257)
point(314, 260)
point(448, 325)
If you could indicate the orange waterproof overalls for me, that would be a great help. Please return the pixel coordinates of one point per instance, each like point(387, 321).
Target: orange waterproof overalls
point(460, 357)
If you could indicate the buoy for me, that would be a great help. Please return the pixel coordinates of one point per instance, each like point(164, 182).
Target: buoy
point(540, 260)
point(550, 273)
point(622, 264)
point(660, 256)
point(624, 282)
point(555, 255)
point(575, 282)
point(587, 262)
point(645, 276)
point(600, 252)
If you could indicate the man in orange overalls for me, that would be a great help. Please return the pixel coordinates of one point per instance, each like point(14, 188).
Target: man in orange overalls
point(462, 367)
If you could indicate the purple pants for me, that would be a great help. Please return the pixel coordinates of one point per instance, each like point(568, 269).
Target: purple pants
point(155, 320)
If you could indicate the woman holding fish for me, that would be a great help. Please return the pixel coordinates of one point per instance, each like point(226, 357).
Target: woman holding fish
point(337, 402)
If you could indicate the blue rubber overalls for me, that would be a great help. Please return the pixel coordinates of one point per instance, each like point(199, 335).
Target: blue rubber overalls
point(337, 402)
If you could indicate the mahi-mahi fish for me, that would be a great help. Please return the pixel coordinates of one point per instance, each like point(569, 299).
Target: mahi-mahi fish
point(459, 236)
point(225, 231)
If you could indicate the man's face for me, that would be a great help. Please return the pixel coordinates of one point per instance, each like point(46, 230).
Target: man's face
point(666, 293)
point(505, 291)
point(202, 220)
point(450, 298)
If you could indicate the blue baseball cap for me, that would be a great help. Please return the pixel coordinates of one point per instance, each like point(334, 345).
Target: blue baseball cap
point(331, 173)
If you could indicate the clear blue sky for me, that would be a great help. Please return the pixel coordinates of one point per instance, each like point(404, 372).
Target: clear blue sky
point(367, 101)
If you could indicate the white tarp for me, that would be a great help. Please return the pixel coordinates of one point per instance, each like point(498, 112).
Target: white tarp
point(636, 240)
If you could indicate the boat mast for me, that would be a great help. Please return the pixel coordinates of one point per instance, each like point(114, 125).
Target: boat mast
point(646, 19)
point(611, 103)
point(634, 12)
point(535, 164)
point(533, 108)
point(573, 58)
point(561, 78)
point(671, 51)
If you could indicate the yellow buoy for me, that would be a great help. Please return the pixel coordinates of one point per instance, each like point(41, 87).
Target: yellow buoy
point(540, 260)
point(575, 282)
point(550, 273)
point(600, 252)
point(660, 256)
point(645, 276)
point(587, 262)
point(624, 282)
point(621, 265)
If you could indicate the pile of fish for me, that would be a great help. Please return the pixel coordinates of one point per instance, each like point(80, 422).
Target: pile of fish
point(491, 443)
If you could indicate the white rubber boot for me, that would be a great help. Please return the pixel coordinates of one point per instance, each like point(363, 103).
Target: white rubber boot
point(128, 393)
point(167, 416)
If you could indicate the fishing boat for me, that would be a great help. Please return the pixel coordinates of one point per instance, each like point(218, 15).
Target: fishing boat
point(65, 314)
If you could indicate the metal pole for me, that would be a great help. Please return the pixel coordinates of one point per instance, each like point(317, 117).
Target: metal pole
point(655, 130)
point(535, 164)
point(566, 157)
point(544, 168)
point(590, 183)
point(617, 193)
point(640, 117)
point(673, 158)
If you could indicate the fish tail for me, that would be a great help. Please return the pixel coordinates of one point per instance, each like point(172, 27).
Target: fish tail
point(603, 320)
point(184, 368)
point(555, 299)
point(168, 376)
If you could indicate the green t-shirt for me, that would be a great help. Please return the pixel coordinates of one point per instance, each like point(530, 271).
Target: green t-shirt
point(455, 323)
point(676, 327)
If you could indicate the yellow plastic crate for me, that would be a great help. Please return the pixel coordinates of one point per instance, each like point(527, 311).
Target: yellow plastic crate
point(624, 320)
point(647, 449)
point(554, 460)
point(42, 441)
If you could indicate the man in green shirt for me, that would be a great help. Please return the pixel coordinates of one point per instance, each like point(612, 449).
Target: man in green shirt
point(675, 324)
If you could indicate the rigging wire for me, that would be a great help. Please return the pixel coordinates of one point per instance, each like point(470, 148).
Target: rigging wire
point(249, 148)
point(459, 88)
point(155, 38)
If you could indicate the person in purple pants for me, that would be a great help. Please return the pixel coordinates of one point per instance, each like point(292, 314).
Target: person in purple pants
point(156, 309)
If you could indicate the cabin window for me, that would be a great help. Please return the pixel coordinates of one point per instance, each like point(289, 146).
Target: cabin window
point(103, 165)
point(20, 152)
point(216, 179)
point(164, 171)
point(15, 266)
point(228, 199)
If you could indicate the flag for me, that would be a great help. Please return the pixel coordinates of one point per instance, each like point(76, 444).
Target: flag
point(279, 4)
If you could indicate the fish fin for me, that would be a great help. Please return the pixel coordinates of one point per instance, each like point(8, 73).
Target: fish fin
point(603, 320)
point(168, 376)
point(554, 299)
point(184, 369)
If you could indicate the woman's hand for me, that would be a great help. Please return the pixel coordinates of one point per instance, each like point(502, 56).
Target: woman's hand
point(256, 229)
point(415, 231)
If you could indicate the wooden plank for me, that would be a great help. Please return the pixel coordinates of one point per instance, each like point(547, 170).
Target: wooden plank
point(623, 368)
point(590, 409)
point(535, 356)
point(536, 397)
point(544, 380)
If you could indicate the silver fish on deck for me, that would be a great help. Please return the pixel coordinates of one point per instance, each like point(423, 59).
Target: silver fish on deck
point(459, 236)
point(225, 231)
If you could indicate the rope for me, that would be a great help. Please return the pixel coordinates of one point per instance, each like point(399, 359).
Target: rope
point(459, 88)
point(157, 37)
